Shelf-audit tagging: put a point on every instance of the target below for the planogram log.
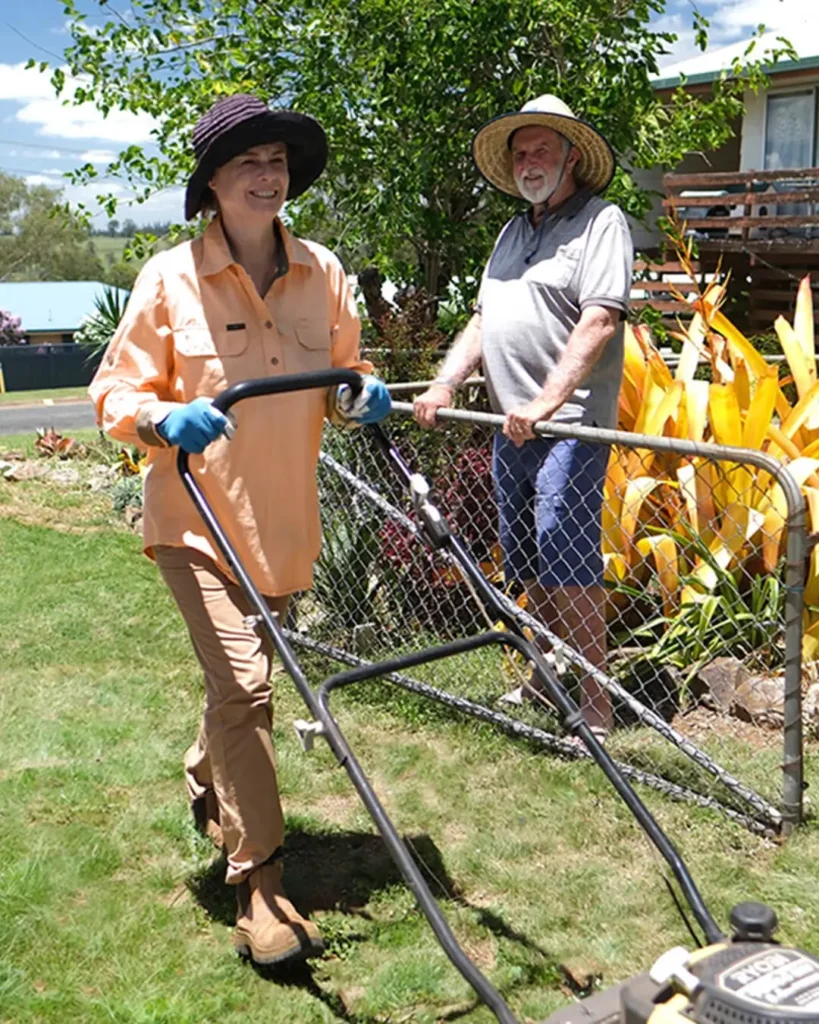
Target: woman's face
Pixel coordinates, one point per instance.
(253, 184)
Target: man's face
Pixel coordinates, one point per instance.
(253, 184)
(538, 155)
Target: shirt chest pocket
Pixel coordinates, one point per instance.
(555, 270)
(208, 361)
(307, 345)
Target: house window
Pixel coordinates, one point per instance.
(790, 144)
(790, 130)
(68, 339)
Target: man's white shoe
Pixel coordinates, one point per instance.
(514, 697)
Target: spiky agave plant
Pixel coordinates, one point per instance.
(100, 326)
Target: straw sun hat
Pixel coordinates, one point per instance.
(493, 157)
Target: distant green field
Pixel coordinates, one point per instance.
(104, 245)
(107, 245)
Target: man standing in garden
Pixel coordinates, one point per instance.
(548, 327)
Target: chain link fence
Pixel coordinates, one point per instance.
(692, 643)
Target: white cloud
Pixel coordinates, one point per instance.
(85, 122)
(23, 85)
(777, 15)
(39, 107)
(43, 154)
(43, 179)
(735, 20)
(36, 154)
(162, 206)
(98, 156)
(165, 205)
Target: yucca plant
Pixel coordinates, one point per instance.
(738, 513)
(99, 328)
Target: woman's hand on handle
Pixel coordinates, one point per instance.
(194, 426)
(371, 405)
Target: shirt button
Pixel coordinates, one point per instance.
(268, 324)
(274, 361)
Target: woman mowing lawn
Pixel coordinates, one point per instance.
(247, 299)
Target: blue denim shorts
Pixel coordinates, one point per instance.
(550, 495)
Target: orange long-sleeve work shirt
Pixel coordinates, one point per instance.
(195, 324)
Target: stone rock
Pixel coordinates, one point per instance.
(761, 700)
(729, 687)
(101, 477)
(66, 476)
(26, 471)
(810, 711)
(133, 516)
(719, 680)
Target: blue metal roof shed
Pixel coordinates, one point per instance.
(52, 307)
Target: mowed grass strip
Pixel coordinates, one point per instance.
(44, 395)
(113, 909)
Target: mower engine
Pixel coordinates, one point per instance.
(749, 980)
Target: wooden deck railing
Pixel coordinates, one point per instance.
(744, 209)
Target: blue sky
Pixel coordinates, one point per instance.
(40, 139)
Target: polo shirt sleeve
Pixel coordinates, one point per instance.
(130, 390)
(607, 264)
(478, 307)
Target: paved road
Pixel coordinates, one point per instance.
(63, 416)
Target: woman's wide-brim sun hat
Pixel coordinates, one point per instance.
(237, 123)
(491, 147)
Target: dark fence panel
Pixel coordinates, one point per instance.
(36, 367)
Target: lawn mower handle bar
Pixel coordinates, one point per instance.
(439, 536)
(335, 738)
(286, 382)
(319, 704)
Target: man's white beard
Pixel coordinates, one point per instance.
(534, 193)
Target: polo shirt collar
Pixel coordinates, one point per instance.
(567, 209)
(216, 255)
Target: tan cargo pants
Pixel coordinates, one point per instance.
(233, 754)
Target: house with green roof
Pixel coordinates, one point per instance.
(752, 204)
(51, 312)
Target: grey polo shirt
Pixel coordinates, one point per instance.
(535, 286)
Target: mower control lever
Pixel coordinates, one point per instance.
(307, 732)
(434, 524)
(672, 969)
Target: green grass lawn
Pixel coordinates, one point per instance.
(113, 909)
(45, 394)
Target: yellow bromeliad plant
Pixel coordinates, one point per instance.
(736, 513)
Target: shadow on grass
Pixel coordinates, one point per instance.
(342, 871)
(301, 976)
(338, 871)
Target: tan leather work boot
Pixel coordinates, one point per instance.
(269, 929)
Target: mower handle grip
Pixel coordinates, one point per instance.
(286, 382)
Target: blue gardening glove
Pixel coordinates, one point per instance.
(372, 404)
(193, 426)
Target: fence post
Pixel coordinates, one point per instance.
(793, 784)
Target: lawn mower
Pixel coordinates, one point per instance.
(743, 977)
